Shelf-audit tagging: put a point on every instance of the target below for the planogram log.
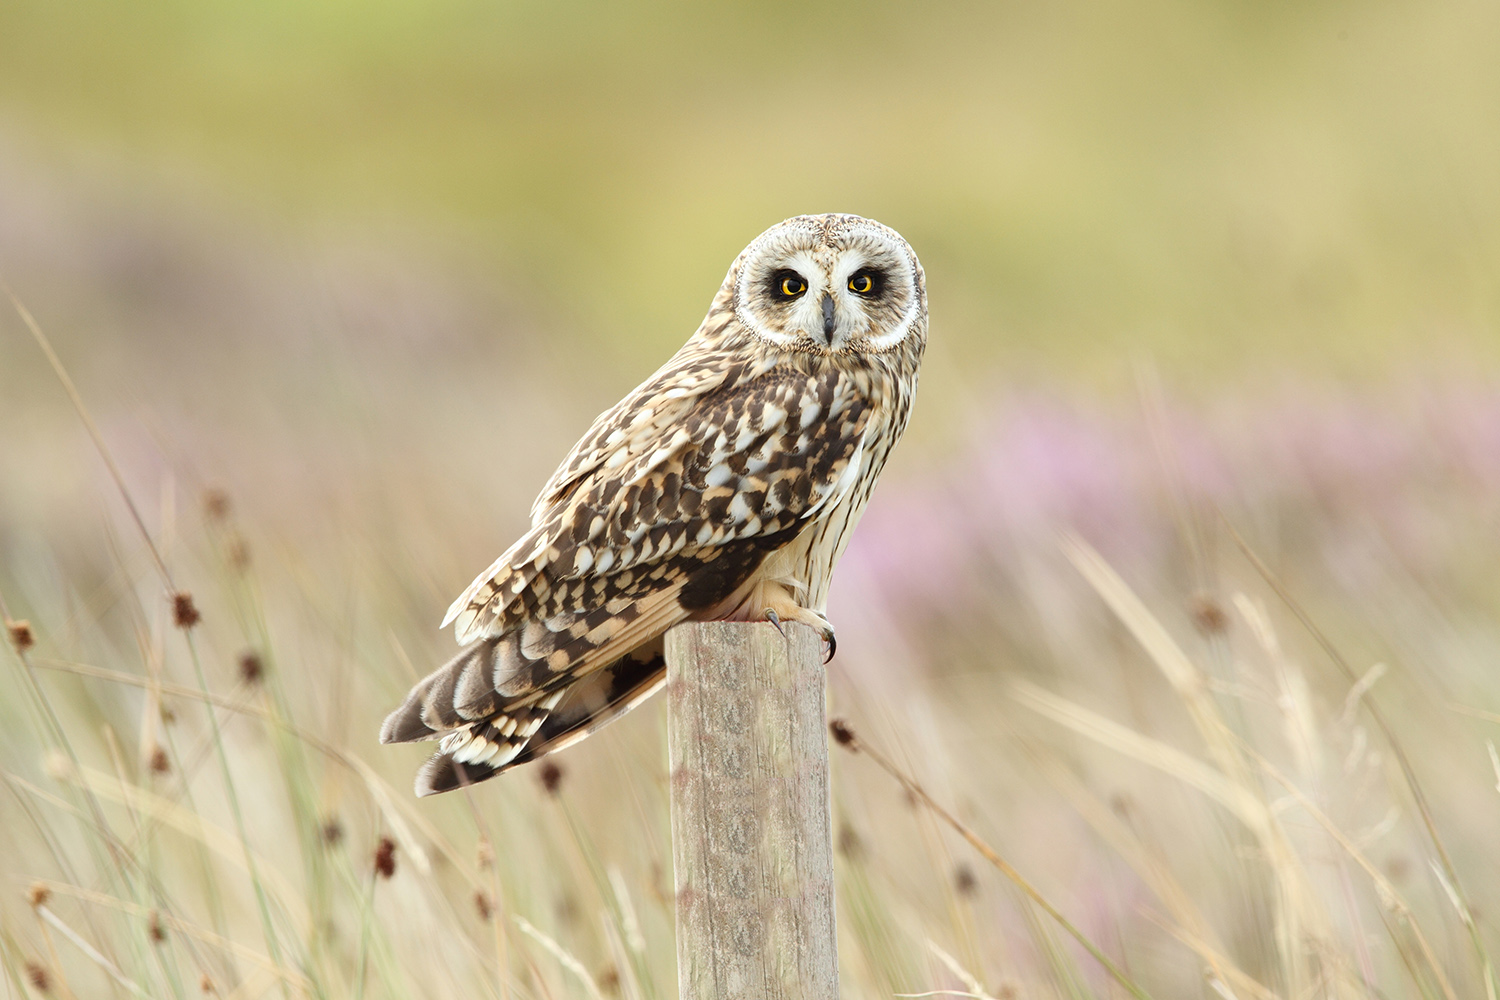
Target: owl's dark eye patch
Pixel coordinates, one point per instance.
(787, 285)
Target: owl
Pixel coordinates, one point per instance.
(725, 487)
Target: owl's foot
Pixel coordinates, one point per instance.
(775, 619)
(811, 619)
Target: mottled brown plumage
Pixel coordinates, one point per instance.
(724, 487)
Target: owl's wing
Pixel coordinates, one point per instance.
(674, 479)
(638, 419)
(664, 528)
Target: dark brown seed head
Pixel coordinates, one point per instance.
(551, 775)
(1208, 614)
(216, 504)
(184, 613)
(483, 905)
(332, 832)
(159, 762)
(39, 977)
(250, 667)
(385, 857)
(206, 985)
(964, 881)
(850, 845)
(567, 909)
(21, 635)
(842, 734)
(37, 894)
(155, 928)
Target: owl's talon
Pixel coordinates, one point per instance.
(775, 619)
(833, 645)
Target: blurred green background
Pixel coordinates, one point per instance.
(1208, 185)
(368, 269)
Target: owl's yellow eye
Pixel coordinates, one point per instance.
(789, 284)
(862, 283)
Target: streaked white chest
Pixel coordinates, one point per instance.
(806, 565)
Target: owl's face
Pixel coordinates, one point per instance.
(831, 284)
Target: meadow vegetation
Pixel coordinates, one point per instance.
(1180, 601)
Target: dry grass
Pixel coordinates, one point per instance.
(195, 804)
(339, 284)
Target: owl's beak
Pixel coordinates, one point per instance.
(827, 317)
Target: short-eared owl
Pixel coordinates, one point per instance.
(724, 487)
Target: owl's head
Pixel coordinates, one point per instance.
(830, 284)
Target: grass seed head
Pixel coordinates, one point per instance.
(155, 928)
(216, 504)
(21, 635)
(159, 762)
(842, 734)
(483, 905)
(206, 985)
(184, 612)
(332, 832)
(1208, 614)
(964, 882)
(251, 667)
(385, 857)
(551, 775)
(37, 895)
(38, 976)
(849, 843)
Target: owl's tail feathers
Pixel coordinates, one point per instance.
(443, 774)
(484, 749)
(519, 735)
(460, 692)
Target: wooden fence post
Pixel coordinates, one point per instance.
(751, 839)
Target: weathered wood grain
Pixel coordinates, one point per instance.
(751, 840)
